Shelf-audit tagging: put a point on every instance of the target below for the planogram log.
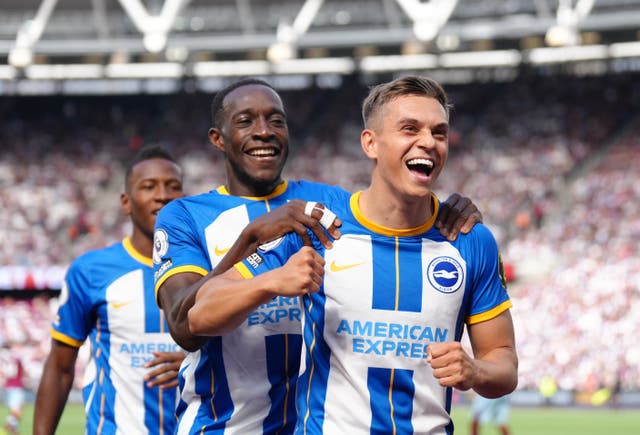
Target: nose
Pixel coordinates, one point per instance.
(164, 194)
(262, 129)
(427, 141)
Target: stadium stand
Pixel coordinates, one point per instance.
(552, 162)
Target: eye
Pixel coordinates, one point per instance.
(278, 121)
(440, 134)
(243, 122)
(409, 128)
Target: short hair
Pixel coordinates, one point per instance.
(216, 104)
(146, 153)
(382, 94)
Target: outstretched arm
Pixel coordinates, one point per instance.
(55, 384)
(492, 371)
(457, 214)
(177, 294)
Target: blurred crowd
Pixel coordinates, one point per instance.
(552, 162)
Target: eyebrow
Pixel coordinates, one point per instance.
(251, 110)
(407, 120)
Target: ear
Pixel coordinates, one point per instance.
(125, 204)
(368, 143)
(215, 137)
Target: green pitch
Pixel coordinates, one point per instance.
(524, 421)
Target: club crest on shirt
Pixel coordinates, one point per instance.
(160, 245)
(445, 274)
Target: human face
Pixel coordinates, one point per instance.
(255, 139)
(152, 184)
(408, 140)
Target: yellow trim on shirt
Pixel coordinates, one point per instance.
(58, 336)
(244, 270)
(128, 246)
(488, 315)
(392, 232)
(195, 269)
(279, 190)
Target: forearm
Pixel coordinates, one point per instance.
(496, 373)
(178, 315)
(224, 304)
(246, 244)
(50, 401)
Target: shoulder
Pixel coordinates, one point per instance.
(480, 233)
(94, 263)
(319, 191)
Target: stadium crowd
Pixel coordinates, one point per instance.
(552, 162)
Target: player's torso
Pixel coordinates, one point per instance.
(255, 366)
(129, 327)
(384, 299)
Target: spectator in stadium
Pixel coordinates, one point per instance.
(108, 296)
(254, 367)
(389, 224)
(486, 411)
(12, 372)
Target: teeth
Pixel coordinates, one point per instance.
(263, 152)
(425, 162)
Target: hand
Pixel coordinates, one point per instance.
(291, 217)
(165, 375)
(457, 214)
(452, 366)
(302, 274)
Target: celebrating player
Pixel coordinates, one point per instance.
(386, 305)
(108, 296)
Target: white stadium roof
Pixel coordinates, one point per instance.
(93, 39)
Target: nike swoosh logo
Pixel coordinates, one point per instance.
(220, 252)
(117, 305)
(336, 268)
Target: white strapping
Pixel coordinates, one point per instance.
(309, 207)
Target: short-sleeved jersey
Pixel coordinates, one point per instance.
(386, 295)
(108, 296)
(242, 382)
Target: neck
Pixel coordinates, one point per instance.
(394, 210)
(142, 243)
(239, 188)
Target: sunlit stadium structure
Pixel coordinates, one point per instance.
(72, 46)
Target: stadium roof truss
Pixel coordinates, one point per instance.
(68, 39)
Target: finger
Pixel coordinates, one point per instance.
(169, 385)
(308, 208)
(328, 221)
(455, 229)
(162, 380)
(473, 219)
(158, 372)
(441, 218)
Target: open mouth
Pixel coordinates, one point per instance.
(264, 152)
(421, 166)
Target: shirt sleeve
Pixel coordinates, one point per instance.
(176, 245)
(270, 256)
(489, 291)
(74, 318)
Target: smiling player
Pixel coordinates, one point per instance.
(385, 307)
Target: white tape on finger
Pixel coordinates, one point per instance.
(327, 218)
(309, 207)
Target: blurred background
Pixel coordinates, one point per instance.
(545, 140)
